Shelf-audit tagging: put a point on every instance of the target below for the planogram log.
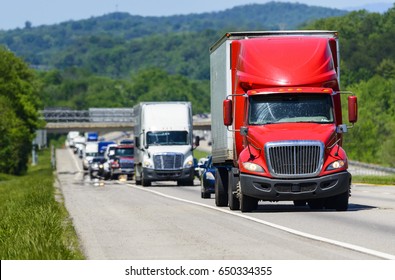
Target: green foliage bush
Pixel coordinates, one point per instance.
(18, 112)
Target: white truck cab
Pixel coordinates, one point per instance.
(163, 142)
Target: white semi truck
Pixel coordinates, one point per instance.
(163, 142)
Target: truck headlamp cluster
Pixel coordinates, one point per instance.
(147, 164)
(336, 165)
(253, 167)
(189, 163)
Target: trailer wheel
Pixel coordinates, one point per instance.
(233, 200)
(221, 183)
(247, 203)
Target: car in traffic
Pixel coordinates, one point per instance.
(96, 168)
(200, 166)
(122, 162)
(91, 150)
(207, 179)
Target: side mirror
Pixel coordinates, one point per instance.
(352, 109)
(197, 141)
(243, 130)
(137, 142)
(228, 112)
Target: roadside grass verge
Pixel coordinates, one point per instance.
(374, 180)
(33, 225)
(200, 154)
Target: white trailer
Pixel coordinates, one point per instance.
(163, 142)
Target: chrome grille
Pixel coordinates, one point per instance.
(294, 158)
(126, 163)
(168, 161)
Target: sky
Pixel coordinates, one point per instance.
(15, 13)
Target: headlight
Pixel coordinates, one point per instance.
(189, 163)
(210, 176)
(147, 164)
(253, 167)
(336, 165)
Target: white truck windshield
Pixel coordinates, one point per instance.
(167, 138)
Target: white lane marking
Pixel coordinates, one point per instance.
(286, 229)
(75, 161)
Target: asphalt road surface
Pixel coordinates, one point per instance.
(117, 220)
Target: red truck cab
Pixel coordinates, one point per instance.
(284, 120)
(123, 161)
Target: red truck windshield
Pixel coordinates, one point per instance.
(280, 108)
(125, 152)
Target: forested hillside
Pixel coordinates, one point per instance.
(117, 43)
(368, 70)
(118, 60)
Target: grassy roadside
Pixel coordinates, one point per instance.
(374, 180)
(33, 225)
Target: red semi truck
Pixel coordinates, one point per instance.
(279, 134)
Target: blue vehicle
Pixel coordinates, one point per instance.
(92, 137)
(103, 146)
(207, 180)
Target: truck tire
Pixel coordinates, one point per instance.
(137, 175)
(338, 202)
(247, 203)
(145, 182)
(233, 200)
(205, 195)
(221, 184)
(316, 204)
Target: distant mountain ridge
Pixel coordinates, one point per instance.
(372, 7)
(116, 37)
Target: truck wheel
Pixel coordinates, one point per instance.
(144, 181)
(316, 204)
(221, 184)
(233, 200)
(338, 202)
(205, 195)
(137, 175)
(247, 203)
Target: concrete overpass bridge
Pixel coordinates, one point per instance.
(104, 120)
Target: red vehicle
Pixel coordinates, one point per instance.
(122, 162)
(279, 135)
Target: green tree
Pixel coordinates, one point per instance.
(373, 137)
(19, 119)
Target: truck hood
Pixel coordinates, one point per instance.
(183, 149)
(260, 135)
(124, 158)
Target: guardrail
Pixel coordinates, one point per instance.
(92, 115)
